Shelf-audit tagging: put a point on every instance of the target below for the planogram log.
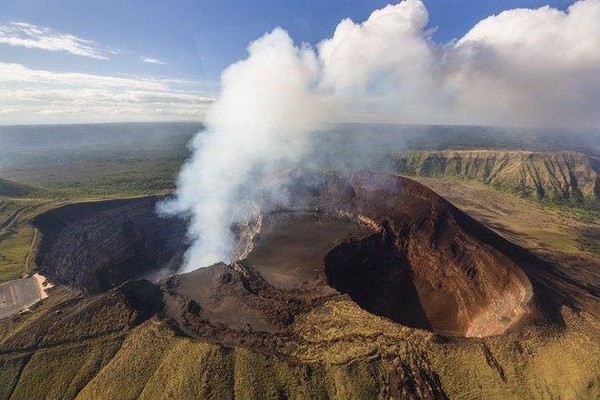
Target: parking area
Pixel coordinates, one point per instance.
(18, 295)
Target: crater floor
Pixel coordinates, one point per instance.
(292, 246)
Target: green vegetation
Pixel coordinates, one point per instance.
(18, 239)
(540, 226)
(590, 241)
(102, 178)
(566, 179)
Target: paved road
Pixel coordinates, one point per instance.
(17, 295)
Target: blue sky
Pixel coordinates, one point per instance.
(192, 41)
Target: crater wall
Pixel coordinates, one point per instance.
(96, 246)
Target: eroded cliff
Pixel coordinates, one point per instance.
(561, 177)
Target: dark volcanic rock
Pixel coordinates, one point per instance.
(96, 246)
(235, 305)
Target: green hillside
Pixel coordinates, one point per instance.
(73, 347)
(567, 178)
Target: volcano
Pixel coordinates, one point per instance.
(394, 247)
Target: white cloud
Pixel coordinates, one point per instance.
(150, 60)
(8, 110)
(521, 67)
(532, 67)
(32, 95)
(18, 73)
(536, 67)
(22, 34)
(392, 40)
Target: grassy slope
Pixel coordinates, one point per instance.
(342, 352)
(567, 237)
(18, 239)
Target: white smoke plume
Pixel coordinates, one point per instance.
(258, 125)
(522, 67)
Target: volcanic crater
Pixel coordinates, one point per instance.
(394, 247)
(96, 246)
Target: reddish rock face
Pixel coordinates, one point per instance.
(428, 264)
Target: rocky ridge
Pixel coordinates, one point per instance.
(561, 177)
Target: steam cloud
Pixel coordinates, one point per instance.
(259, 124)
(521, 67)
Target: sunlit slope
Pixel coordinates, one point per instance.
(561, 177)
